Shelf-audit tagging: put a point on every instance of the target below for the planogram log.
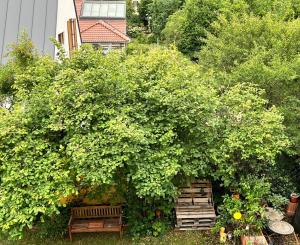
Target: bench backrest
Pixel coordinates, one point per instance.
(96, 212)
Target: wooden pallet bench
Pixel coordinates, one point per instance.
(195, 208)
(95, 219)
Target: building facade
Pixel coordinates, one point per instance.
(103, 23)
(41, 20)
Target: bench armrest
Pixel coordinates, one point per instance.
(70, 221)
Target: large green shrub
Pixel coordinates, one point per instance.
(140, 122)
(189, 26)
(263, 52)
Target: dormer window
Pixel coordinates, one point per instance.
(104, 9)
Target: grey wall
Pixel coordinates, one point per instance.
(37, 17)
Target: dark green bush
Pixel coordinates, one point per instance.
(55, 226)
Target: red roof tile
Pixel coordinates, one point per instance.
(100, 30)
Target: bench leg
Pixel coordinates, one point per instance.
(70, 235)
(121, 233)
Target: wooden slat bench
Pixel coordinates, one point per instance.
(95, 219)
(195, 208)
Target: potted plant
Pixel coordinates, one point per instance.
(245, 216)
(257, 239)
(292, 205)
(294, 198)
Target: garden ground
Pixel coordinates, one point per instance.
(172, 238)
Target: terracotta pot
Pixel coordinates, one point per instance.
(291, 209)
(294, 198)
(258, 239)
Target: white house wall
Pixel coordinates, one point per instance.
(65, 11)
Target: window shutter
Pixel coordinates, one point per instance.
(72, 35)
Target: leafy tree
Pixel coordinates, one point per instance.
(159, 11)
(281, 9)
(142, 121)
(6, 81)
(143, 10)
(132, 17)
(22, 55)
(188, 27)
(252, 134)
(260, 51)
(35, 172)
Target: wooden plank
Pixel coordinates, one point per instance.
(189, 195)
(211, 221)
(94, 211)
(200, 210)
(210, 217)
(105, 229)
(207, 185)
(195, 207)
(199, 216)
(185, 200)
(196, 220)
(206, 221)
(202, 195)
(186, 220)
(201, 200)
(193, 228)
(194, 213)
(201, 181)
(195, 225)
(196, 190)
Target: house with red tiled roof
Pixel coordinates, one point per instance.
(103, 23)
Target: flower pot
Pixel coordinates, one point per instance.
(291, 209)
(254, 239)
(294, 198)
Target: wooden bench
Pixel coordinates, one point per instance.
(95, 219)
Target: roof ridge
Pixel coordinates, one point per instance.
(90, 27)
(115, 30)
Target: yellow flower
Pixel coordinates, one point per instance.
(237, 215)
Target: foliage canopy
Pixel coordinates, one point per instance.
(147, 119)
(189, 26)
(260, 51)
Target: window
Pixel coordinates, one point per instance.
(104, 9)
(95, 10)
(87, 9)
(61, 38)
(120, 10)
(112, 8)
